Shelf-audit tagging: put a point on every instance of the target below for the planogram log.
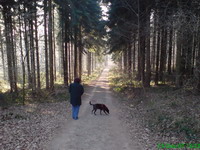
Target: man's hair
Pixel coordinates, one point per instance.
(77, 80)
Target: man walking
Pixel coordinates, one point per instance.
(76, 91)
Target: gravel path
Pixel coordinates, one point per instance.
(90, 132)
(49, 126)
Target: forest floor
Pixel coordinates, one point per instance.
(165, 115)
(138, 120)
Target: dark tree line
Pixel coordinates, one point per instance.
(43, 39)
(156, 39)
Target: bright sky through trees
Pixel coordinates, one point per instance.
(104, 11)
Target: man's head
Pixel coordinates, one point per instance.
(77, 80)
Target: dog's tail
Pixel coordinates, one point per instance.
(90, 103)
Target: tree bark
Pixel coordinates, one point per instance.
(153, 58)
(32, 50)
(125, 64)
(66, 55)
(37, 49)
(157, 58)
(89, 63)
(54, 43)
(75, 53)
(142, 54)
(129, 53)
(170, 51)
(163, 53)
(50, 47)
(148, 57)
(134, 54)
(2, 55)
(46, 45)
(198, 65)
(179, 64)
(22, 59)
(9, 47)
(80, 51)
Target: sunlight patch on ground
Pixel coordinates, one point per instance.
(31, 108)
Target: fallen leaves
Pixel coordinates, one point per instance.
(30, 127)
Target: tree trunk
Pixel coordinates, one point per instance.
(120, 61)
(72, 56)
(134, 53)
(75, 53)
(69, 58)
(50, 47)
(198, 56)
(37, 48)
(198, 63)
(194, 51)
(32, 51)
(163, 53)
(148, 57)
(92, 62)
(54, 44)
(23, 64)
(46, 45)
(139, 37)
(129, 59)
(170, 51)
(189, 42)
(80, 51)
(14, 45)
(9, 46)
(2, 54)
(125, 65)
(157, 58)
(89, 63)
(179, 81)
(14, 59)
(173, 51)
(153, 58)
(142, 54)
(66, 55)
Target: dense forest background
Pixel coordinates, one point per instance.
(44, 42)
(156, 44)
(157, 41)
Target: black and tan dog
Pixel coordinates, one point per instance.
(101, 107)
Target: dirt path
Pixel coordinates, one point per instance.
(90, 132)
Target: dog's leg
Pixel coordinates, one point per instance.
(100, 111)
(104, 112)
(95, 111)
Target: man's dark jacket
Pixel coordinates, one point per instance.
(75, 90)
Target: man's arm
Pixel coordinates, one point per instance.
(82, 90)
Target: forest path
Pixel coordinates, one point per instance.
(90, 132)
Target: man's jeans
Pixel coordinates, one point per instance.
(75, 111)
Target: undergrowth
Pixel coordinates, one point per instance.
(60, 92)
(167, 111)
(86, 79)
